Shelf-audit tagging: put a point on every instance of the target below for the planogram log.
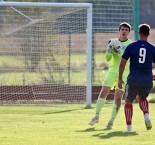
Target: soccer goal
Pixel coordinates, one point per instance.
(45, 52)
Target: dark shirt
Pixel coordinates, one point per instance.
(142, 55)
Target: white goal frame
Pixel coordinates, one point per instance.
(88, 6)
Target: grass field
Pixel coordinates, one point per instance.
(68, 125)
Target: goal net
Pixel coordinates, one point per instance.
(45, 52)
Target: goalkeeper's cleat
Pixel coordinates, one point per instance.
(109, 125)
(129, 128)
(148, 124)
(94, 120)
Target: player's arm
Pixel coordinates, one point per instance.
(121, 70)
(153, 65)
(108, 54)
(114, 46)
(153, 77)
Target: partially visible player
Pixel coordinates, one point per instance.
(139, 82)
(113, 54)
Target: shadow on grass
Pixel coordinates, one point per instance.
(63, 111)
(89, 130)
(114, 134)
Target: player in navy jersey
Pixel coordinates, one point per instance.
(139, 82)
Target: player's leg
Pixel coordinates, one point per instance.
(116, 107)
(130, 95)
(107, 84)
(128, 110)
(99, 104)
(144, 105)
(118, 95)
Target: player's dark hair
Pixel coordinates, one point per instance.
(125, 24)
(144, 29)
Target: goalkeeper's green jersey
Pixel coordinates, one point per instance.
(116, 58)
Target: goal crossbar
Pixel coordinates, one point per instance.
(45, 4)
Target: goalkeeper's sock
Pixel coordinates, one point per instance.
(128, 110)
(99, 105)
(114, 113)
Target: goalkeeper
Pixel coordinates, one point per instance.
(114, 52)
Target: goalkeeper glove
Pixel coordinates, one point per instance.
(117, 46)
(110, 47)
(114, 46)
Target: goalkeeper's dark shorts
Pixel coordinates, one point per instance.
(131, 91)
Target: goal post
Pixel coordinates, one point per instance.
(46, 52)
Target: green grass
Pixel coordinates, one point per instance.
(68, 125)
